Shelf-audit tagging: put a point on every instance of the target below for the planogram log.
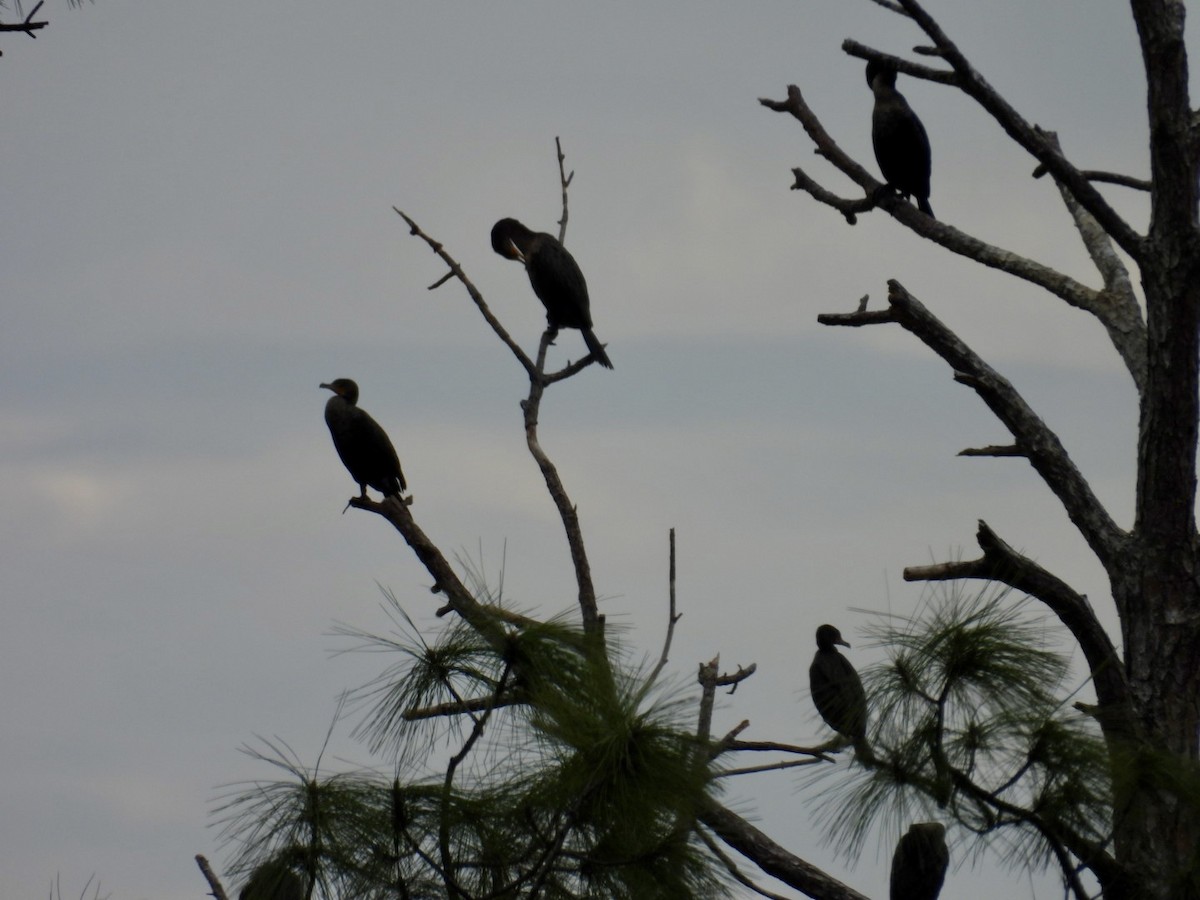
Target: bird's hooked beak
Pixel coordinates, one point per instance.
(330, 387)
(842, 641)
(514, 252)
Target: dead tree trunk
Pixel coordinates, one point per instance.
(1149, 695)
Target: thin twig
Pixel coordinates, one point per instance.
(28, 26)
(672, 617)
(456, 271)
(1137, 184)
(459, 707)
(565, 180)
(770, 767)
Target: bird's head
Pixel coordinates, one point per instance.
(828, 636)
(509, 238)
(879, 69)
(345, 388)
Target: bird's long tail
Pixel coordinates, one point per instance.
(923, 205)
(596, 348)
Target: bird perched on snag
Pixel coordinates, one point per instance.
(556, 279)
(919, 863)
(837, 692)
(901, 144)
(361, 442)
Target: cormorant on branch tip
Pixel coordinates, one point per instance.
(361, 442)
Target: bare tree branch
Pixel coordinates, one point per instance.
(916, 70)
(457, 271)
(891, 5)
(1040, 445)
(28, 26)
(1027, 135)
(1068, 289)
(460, 707)
(565, 180)
(1138, 184)
(672, 616)
(459, 598)
(214, 883)
(593, 622)
(772, 858)
(1116, 306)
(993, 450)
(768, 767)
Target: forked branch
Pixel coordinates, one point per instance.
(1037, 442)
(1025, 133)
(1068, 289)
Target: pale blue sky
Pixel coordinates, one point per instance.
(197, 231)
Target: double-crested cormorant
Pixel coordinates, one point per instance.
(556, 279)
(838, 693)
(361, 442)
(901, 145)
(273, 881)
(919, 863)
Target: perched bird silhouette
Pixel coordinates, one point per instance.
(919, 863)
(361, 442)
(556, 279)
(901, 144)
(273, 881)
(837, 692)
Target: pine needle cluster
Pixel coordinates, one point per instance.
(972, 724)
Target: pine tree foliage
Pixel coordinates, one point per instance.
(585, 782)
(969, 723)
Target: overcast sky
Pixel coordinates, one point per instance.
(197, 230)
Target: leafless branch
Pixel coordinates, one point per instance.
(891, 6)
(915, 70)
(776, 747)
(1040, 445)
(1137, 184)
(1068, 289)
(593, 622)
(773, 859)
(457, 271)
(445, 580)
(993, 450)
(672, 616)
(460, 707)
(28, 26)
(1026, 134)
(565, 180)
(769, 767)
(1116, 306)
(214, 883)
